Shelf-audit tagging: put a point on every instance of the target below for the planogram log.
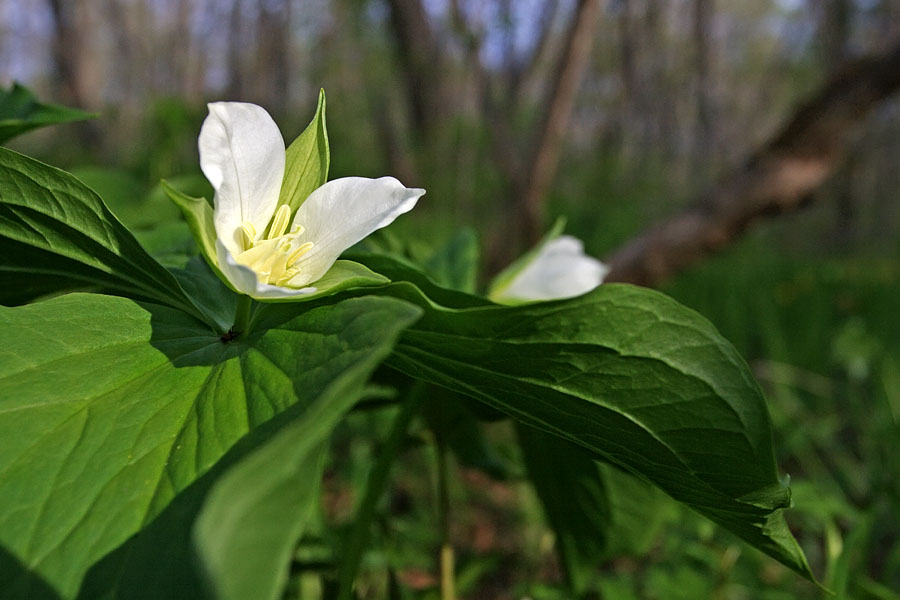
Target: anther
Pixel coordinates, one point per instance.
(300, 251)
(280, 221)
(249, 234)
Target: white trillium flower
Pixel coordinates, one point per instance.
(263, 250)
(559, 269)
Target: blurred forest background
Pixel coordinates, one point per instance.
(668, 132)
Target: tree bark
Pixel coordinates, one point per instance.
(778, 178)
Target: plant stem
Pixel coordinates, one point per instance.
(447, 585)
(242, 315)
(448, 591)
(375, 487)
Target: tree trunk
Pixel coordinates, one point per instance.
(558, 108)
(420, 57)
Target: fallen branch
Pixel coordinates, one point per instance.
(778, 178)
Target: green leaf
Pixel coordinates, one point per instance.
(632, 376)
(110, 408)
(57, 235)
(167, 559)
(397, 269)
(596, 511)
(20, 112)
(454, 265)
(208, 292)
(306, 161)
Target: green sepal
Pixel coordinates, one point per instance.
(199, 216)
(343, 275)
(306, 161)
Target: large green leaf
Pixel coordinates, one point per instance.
(21, 112)
(397, 269)
(57, 235)
(631, 375)
(306, 161)
(109, 408)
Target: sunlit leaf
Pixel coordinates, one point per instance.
(57, 235)
(110, 408)
(628, 374)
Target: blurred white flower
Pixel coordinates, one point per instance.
(262, 249)
(557, 269)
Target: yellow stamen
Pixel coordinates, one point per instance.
(273, 259)
(280, 222)
(249, 234)
(300, 251)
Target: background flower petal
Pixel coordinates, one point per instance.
(560, 270)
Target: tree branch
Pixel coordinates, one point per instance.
(778, 178)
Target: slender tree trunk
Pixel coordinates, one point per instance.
(421, 59)
(558, 110)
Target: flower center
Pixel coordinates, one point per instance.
(274, 257)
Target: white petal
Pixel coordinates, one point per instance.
(245, 281)
(242, 155)
(560, 270)
(343, 212)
